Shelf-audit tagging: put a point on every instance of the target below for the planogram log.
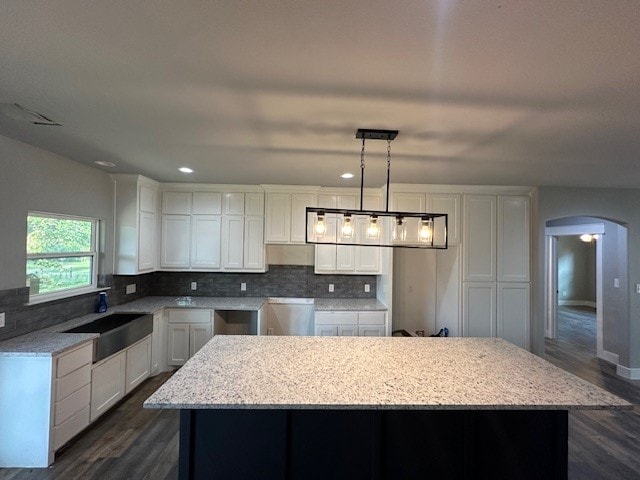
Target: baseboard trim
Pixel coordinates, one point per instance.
(628, 373)
(610, 357)
(577, 303)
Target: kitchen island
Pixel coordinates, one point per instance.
(336, 407)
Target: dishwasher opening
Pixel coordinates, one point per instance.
(235, 322)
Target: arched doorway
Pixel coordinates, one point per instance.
(611, 277)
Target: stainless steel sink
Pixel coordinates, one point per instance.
(117, 331)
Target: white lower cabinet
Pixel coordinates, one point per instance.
(117, 375)
(497, 310)
(138, 366)
(513, 313)
(108, 383)
(187, 331)
(158, 350)
(351, 324)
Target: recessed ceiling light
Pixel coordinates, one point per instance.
(185, 170)
(103, 163)
(347, 175)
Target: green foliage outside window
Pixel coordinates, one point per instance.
(60, 253)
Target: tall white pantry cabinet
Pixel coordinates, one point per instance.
(496, 280)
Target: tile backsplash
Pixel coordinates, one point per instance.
(279, 281)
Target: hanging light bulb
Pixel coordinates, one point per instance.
(347, 227)
(374, 229)
(399, 233)
(424, 234)
(586, 237)
(320, 226)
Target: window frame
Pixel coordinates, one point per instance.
(93, 253)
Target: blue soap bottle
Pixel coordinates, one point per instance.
(102, 303)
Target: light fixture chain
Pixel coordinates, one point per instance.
(362, 175)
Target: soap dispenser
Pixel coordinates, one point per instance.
(102, 302)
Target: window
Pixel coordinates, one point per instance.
(61, 255)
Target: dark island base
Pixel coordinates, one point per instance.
(373, 444)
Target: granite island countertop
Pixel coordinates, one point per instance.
(243, 372)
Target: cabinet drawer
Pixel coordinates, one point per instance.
(370, 331)
(371, 318)
(64, 432)
(336, 318)
(71, 361)
(68, 384)
(189, 316)
(71, 405)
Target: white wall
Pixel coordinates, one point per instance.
(37, 180)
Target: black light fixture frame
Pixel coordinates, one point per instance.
(388, 135)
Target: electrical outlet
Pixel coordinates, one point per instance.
(269, 331)
(194, 285)
(331, 287)
(637, 287)
(367, 288)
(1, 319)
(131, 288)
(410, 288)
(616, 283)
(243, 287)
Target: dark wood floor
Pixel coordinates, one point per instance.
(132, 443)
(602, 444)
(128, 442)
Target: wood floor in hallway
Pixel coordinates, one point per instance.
(132, 443)
(602, 444)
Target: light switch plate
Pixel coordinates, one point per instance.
(637, 287)
(243, 287)
(1, 319)
(194, 285)
(616, 283)
(131, 288)
(331, 287)
(367, 288)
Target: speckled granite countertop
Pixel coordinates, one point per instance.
(43, 344)
(342, 304)
(50, 341)
(374, 373)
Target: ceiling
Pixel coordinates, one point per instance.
(483, 92)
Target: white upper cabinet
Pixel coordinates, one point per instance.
(479, 262)
(205, 230)
(513, 239)
(205, 241)
(136, 225)
(299, 203)
(176, 203)
(233, 203)
(176, 235)
(278, 228)
(424, 202)
(207, 203)
(449, 204)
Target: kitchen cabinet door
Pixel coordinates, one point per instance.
(479, 309)
(107, 383)
(157, 343)
(347, 330)
(176, 235)
(513, 239)
(233, 204)
(205, 241)
(278, 218)
(299, 203)
(371, 330)
(233, 242)
(199, 334)
(253, 243)
(146, 241)
(449, 204)
(147, 198)
(207, 203)
(479, 257)
(138, 364)
(178, 336)
(176, 203)
(326, 330)
(254, 204)
(514, 308)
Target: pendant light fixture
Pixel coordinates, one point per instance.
(386, 228)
